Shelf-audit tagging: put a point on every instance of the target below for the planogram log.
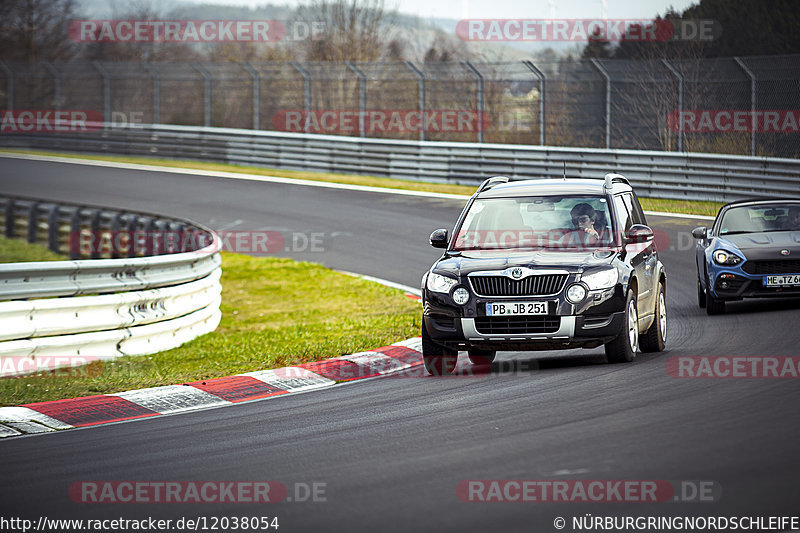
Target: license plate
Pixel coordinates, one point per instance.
(516, 308)
(782, 280)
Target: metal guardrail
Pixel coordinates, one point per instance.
(141, 303)
(672, 175)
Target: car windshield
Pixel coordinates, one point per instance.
(572, 222)
(760, 218)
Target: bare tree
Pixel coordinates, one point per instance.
(36, 30)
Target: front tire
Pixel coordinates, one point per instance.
(701, 294)
(481, 357)
(655, 337)
(439, 360)
(623, 349)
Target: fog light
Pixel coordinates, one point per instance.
(461, 296)
(576, 293)
(724, 285)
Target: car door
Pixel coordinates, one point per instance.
(650, 252)
(636, 255)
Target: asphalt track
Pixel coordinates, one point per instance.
(392, 451)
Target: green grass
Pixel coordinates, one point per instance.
(275, 312)
(16, 251)
(651, 204)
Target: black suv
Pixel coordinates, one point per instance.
(544, 265)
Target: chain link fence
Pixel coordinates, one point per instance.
(748, 106)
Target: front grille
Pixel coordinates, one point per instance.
(517, 325)
(785, 266)
(530, 286)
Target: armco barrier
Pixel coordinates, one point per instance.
(673, 175)
(126, 301)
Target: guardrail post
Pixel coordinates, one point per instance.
(605, 74)
(479, 78)
(421, 86)
(256, 94)
(306, 92)
(362, 97)
(94, 234)
(33, 222)
(681, 133)
(131, 226)
(106, 91)
(9, 213)
(56, 83)
(156, 92)
(52, 228)
(206, 93)
(115, 226)
(540, 75)
(9, 86)
(753, 118)
(74, 241)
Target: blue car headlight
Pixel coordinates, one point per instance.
(725, 258)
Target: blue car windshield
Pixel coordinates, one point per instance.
(581, 222)
(760, 218)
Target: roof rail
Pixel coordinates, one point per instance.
(491, 182)
(612, 178)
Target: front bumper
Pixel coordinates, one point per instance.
(735, 284)
(569, 331)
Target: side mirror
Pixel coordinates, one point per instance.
(439, 238)
(639, 233)
(700, 232)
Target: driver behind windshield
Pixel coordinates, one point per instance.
(584, 218)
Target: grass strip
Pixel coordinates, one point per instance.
(276, 312)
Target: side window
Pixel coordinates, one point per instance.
(635, 210)
(623, 216)
(637, 207)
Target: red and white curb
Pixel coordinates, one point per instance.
(57, 415)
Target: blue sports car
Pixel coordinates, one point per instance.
(751, 251)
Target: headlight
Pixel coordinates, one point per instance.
(461, 296)
(439, 283)
(576, 293)
(721, 257)
(601, 280)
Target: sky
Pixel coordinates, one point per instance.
(460, 9)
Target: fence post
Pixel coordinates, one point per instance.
(540, 75)
(681, 133)
(9, 86)
(256, 94)
(56, 83)
(106, 91)
(206, 93)
(156, 92)
(306, 92)
(479, 77)
(362, 97)
(421, 105)
(605, 74)
(753, 118)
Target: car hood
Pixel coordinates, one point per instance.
(766, 245)
(474, 261)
